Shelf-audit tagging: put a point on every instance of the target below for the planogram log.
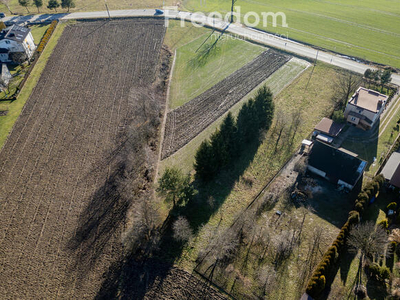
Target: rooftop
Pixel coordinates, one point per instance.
(15, 33)
(329, 127)
(391, 166)
(368, 99)
(335, 163)
(396, 177)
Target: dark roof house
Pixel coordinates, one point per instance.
(335, 165)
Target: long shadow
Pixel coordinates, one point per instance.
(131, 278)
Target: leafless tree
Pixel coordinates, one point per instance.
(6, 3)
(280, 125)
(368, 240)
(267, 279)
(346, 84)
(182, 230)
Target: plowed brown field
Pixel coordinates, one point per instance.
(62, 210)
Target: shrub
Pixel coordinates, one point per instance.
(354, 217)
(384, 273)
(359, 206)
(392, 206)
(384, 223)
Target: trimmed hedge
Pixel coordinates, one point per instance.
(318, 280)
(46, 37)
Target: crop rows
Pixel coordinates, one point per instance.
(56, 161)
(186, 122)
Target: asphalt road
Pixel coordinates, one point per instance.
(268, 39)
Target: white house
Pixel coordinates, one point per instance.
(364, 108)
(16, 41)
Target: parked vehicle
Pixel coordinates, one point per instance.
(2, 15)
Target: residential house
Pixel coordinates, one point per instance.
(5, 77)
(391, 170)
(364, 108)
(335, 165)
(326, 130)
(16, 42)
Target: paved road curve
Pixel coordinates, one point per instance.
(245, 32)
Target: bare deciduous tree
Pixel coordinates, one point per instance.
(182, 230)
(346, 84)
(368, 240)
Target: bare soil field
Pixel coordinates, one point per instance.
(85, 143)
(187, 121)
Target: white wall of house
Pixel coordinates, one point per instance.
(367, 113)
(316, 171)
(345, 184)
(28, 46)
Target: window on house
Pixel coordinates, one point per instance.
(7, 42)
(360, 111)
(353, 119)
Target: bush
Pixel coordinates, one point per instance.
(384, 223)
(392, 206)
(354, 217)
(359, 206)
(384, 273)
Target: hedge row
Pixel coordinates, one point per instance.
(46, 36)
(318, 280)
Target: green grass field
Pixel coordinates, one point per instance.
(365, 29)
(14, 108)
(194, 73)
(87, 5)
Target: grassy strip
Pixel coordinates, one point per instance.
(14, 108)
(87, 5)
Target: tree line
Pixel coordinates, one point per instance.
(227, 142)
(52, 4)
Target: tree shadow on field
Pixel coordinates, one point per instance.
(144, 271)
(99, 222)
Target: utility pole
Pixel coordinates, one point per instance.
(108, 12)
(233, 4)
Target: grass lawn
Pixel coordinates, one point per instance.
(14, 108)
(87, 5)
(366, 29)
(229, 191)
(194, 73)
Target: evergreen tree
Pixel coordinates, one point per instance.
(38, 4)
(264, 107)
(228, 131)
(67, 4)
(205, 161)
(24, 3)
(53, 4)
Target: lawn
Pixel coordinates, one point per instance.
(365, 29)
(88, 5)
(14, 108)
(195, 72)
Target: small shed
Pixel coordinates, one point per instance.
(328, 127)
